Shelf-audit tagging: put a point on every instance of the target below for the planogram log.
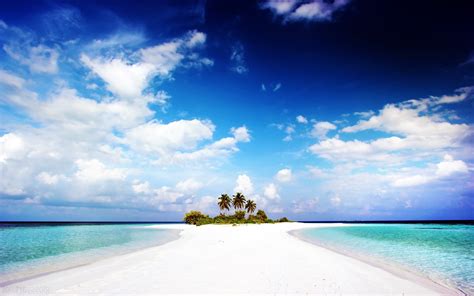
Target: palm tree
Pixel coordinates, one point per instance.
(238, 201)
(224, 202)
(250, 206)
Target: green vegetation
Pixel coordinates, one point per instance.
(238, 202)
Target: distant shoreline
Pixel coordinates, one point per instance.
(467, 222)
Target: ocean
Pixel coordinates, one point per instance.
(443, 253)
(27, 250)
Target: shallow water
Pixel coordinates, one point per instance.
(31, 250)
(441, 252)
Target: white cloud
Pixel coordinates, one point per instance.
(195, 38)
(39, 59)
(241, 134)
(301, 119)
(295, 10)
(244, 185)
(189, 186)
(280, 7)
(94, 170)
(414, 131)
(11, 147)
(412, 181)
(449, 166)
(284, 175)
(277, 87)
(47, 178)
(320, 129)
(128, 78)
(123, 79)
(446, 168)
(141, 187)
(271, 192)
(11, 79)
(162, 139)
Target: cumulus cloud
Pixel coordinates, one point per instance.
(413, 131)
(320, 129)
(128, 78)
(284, 175)
(297, 10)
(244, 185)
(449, 167)
(301, 119)
(161, 139)
(444, 169)
(189, 185)
(93, 170)
(241, 134)
(12, 146)
(271, 192)
(96, 151)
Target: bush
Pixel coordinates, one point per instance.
(261, 215)
(193, 217)
(284, 219)
(239, 215)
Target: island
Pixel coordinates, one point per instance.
(241, 205)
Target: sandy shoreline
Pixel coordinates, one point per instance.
(222, 259)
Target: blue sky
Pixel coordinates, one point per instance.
(318, 110)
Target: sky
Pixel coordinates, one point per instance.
(317, 110)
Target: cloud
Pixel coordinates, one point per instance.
(219, 149)
(189, 186)
(244, 185)
(80, 148)
(241, 134)
(128, 78)
(93, 170)
(301, 119)
(277, 87)
(444, 169)
(49, 179)
(449, 167)
(411, 181)
(284, 175)
(122, 78)
(39, 59)
(10, 79)
(271, 192)
(296, 10)
(237, 59)
(305, 205)
(12, 146)
(279, 7)
(413, 128)
(320, 129)
(162, 139)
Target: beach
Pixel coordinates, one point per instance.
(226, 259)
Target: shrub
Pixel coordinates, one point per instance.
(261, 215)
(239, 215)
(193, 217)
(284, 219)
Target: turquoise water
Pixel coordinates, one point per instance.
(441, 252)
(31, 250)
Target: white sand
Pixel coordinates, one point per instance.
(224, 259)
